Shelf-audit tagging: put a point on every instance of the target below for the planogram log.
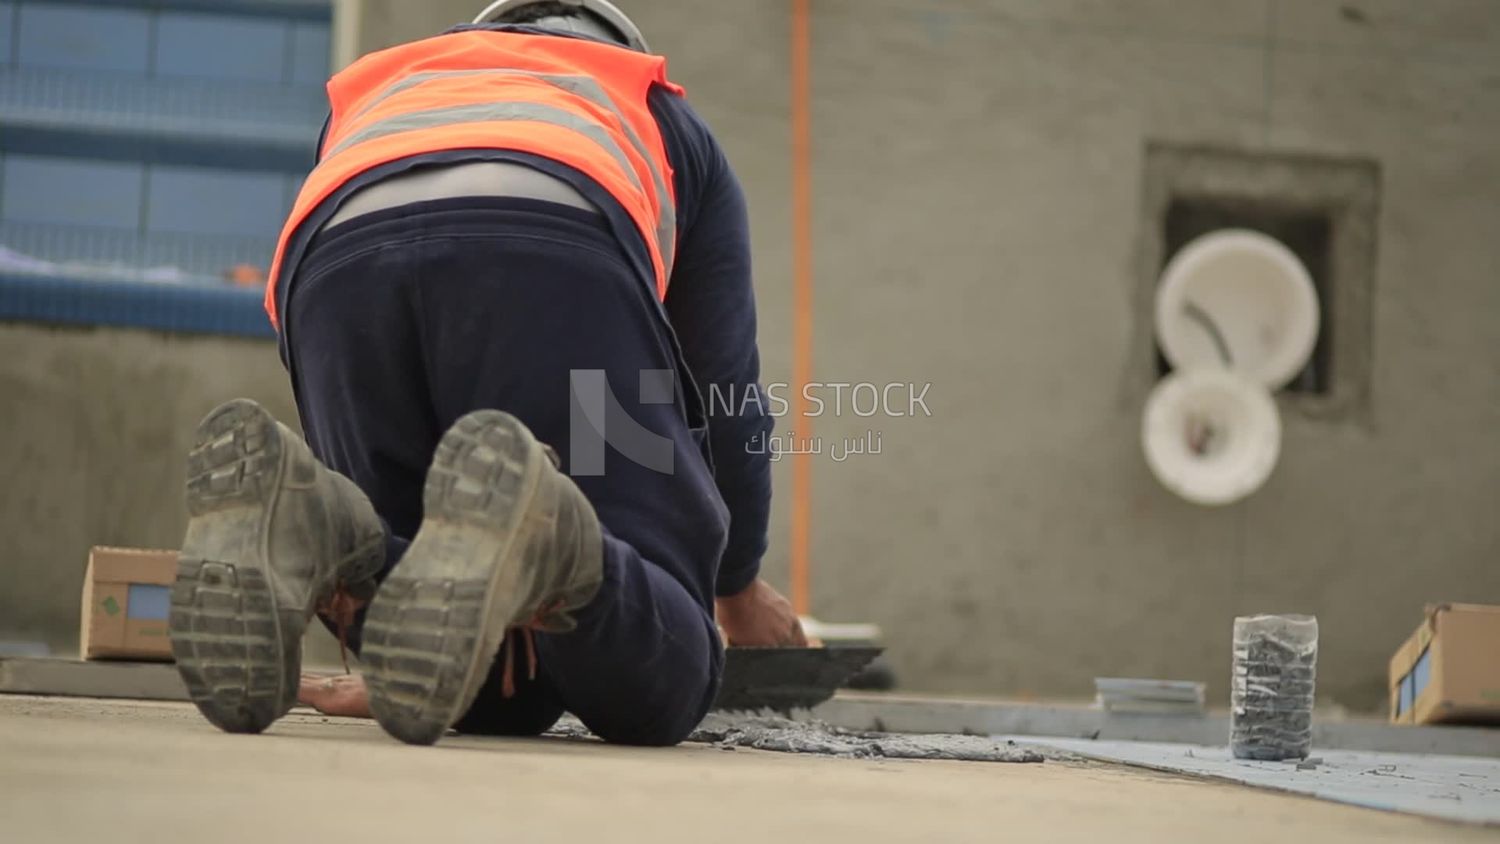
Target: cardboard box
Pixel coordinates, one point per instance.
(1448, 672)
(125, 598)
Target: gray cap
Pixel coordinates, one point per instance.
(596, 18)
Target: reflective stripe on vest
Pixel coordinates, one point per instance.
(666, 218)
(488, 90)
(583, 86)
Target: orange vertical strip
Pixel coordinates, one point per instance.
(802, 303)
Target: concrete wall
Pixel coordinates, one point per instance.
(1017, 130)
(96, 424)
(978, 179)
(977, 188)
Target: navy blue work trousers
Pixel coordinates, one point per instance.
(399, 322)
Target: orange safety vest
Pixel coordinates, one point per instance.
(578, 102)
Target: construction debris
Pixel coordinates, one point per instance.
(767, 732)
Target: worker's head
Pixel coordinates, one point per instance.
(595, 18)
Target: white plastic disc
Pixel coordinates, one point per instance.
(1210, 435)
(1240, 299)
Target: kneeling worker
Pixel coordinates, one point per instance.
(517, 267)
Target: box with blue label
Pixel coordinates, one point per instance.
(125, 599)
(1448, 671)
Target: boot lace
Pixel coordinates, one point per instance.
(524, 632)
(340, 607)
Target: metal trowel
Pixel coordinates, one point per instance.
(783, 679)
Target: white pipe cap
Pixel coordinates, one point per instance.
(1210, 435)
(1241, 299)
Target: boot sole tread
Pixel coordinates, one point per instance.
(237, 652)
(435, 622)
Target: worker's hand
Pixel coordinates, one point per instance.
(759, 617)
(336, 694)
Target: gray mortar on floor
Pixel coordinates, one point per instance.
(769, 732)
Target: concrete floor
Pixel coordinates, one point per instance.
(76, 770)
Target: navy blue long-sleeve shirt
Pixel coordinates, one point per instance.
(710, 303)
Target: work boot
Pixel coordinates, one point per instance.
(271, 534)
(507, 541)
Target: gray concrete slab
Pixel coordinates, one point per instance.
(854, 711)
(88, 770)
(1447, 787)
(74, 678)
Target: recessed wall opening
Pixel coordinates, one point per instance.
(1323, 210)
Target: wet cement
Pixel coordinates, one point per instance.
(728, 731)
